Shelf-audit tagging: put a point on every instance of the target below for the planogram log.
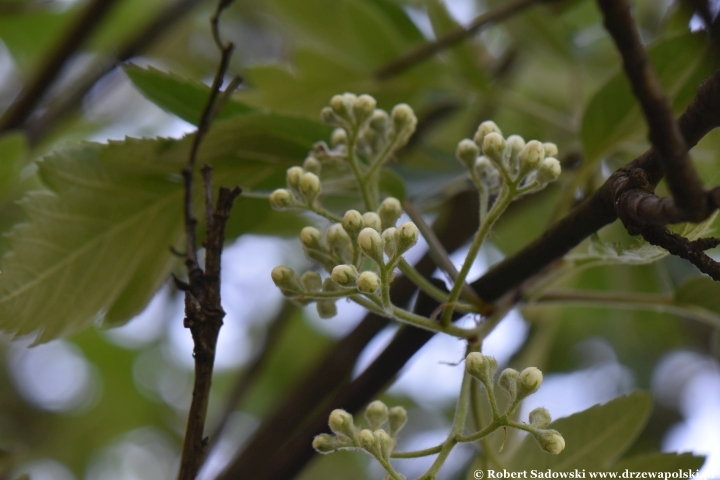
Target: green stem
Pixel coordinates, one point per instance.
(427, 324)
(418, 453)
(498, 208)
(326, 295)
(352, 160)
(423, 283)
(488, 452)
(388, 467)
(325, 213)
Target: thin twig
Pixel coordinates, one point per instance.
(203, 307)
(53, 64)
(427, 50)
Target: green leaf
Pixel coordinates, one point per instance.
(13, 153)
(97, 243)
(29, 34)
(661, 462)
(613, 115)
(594, 438)
(180, 96)
(701, 291)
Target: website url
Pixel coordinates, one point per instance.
(577, 473)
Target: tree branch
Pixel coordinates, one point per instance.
(427, 50)
(44, 77)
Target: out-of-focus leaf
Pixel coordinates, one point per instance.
(28, 34)
(594, 438)
(99, 238)
(613, 115)
(661, 462)
(13, 153)
(702, 292)
(392, 184)
(180, 96)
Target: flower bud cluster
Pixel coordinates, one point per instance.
(375, 440)
(527, 164)
(303, 186)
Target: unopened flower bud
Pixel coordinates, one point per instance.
(508, 382)
(325, 443)
(467, 151)
(338, 137)
(364, 108)
(389, 212)
(540, 417)
(531, 156)
(326, 308)
(311, 238)
(376, 414)
(551, 150)
(379, 120)
(328, 117)
(281, 199)
(372, 220)
(549, 170)
(487, 174)
(311, 281)
(342, 423)
(389, 237)
(313, 165)
(342, 106)
(484, 129)
(385, 443)
(494, 147)
(371, 243)
(309, 187)
(344, 275)
(368, 282)
(285, 279)
(367, 441)
(550, 441)
(482, 367)
(404, 122)
(528, 382)
(513, 146)
(353, 223)
(397, 419)
(406, 237)
(292, 178)
(339, 242)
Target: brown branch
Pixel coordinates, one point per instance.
(69, 100)
(665, 135)
(427, 50)
(22, 107)
(693, 251)
(203, 307)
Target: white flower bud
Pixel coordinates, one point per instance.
(366, 439)
(311, 281)
(508, 382)
(487, 174)
(339, 242)
(326, 308)
(311, 238)
(376, 414)
(529, 382)
(342, 106)
(309, 187)
(379, 120)
(338, 137)
(494, 147)
(292, 178)
(482, 367)
(342, 423)
(540, 417)
(325, 443)
(513, 145)
(406, 237)
(550, 441)
(313, 165)
(281, 199)
(404, 122)
(389, 237)
(364, 108)
(397, 419)
(389, 212)
(531, 156)
(344, 275)
(368, 282)
(484, 129)
(353, 222)
(372, 220)
(549, 170)
(328, 117)
(467, 151)
(285, 279)
(371, 243)
(384, 442)
(551, 150)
